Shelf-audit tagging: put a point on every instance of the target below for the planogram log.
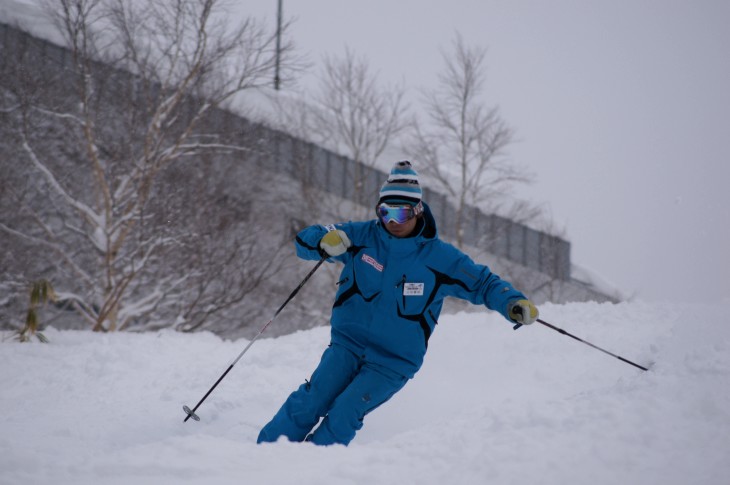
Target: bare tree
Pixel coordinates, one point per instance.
(353, 114)
(146, 77)
(462, 146)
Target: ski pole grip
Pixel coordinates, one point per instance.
(516, 309)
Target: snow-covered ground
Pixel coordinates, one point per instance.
(491, 405)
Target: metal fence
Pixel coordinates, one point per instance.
(341, 176)
(497, 235)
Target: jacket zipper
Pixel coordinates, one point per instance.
(403, 290)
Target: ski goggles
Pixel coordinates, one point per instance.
(398, 213)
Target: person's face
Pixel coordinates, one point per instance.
(401, 230)
(399, 219)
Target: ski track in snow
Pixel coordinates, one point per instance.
(491, 405)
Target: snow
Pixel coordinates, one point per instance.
(591, 278)
(30, 16)
(491, 405)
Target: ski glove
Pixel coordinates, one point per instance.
(523, 312)
(335, 243)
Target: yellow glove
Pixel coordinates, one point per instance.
(335, 243)
(523, 312)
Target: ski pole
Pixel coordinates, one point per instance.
(590, 344)
(191, 412)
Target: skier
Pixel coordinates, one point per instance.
(395, 277)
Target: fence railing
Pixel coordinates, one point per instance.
(497, 235)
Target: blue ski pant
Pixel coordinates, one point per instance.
(343, 390)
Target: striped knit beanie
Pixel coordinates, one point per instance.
(402, 185)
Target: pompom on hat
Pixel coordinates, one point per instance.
(402, 185)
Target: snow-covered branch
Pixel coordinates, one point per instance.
(11, 109)
(53, 247)
(79, 304)
(59, 115)
(84, 210)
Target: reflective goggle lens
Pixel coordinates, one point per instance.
(397, 213)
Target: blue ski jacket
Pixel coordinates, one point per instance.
(391, 290)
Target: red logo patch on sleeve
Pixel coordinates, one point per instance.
(371, 261)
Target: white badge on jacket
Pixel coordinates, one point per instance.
(413, 289)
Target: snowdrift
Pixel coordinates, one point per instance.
(491, 405)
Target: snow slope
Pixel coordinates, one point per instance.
(491, 405)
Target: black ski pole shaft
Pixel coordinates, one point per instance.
(191, 412)
(557, 329)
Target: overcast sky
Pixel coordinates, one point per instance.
(621, 108)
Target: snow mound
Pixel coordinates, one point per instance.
(491, 405)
